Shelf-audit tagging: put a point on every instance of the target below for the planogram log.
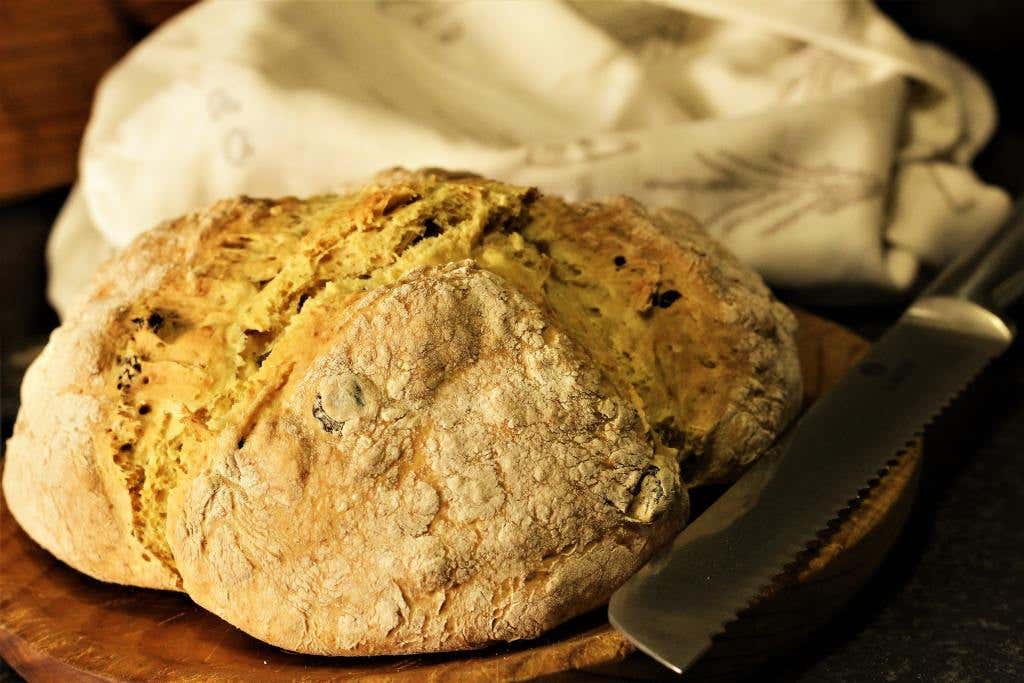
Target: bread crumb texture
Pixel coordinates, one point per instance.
(432, 413)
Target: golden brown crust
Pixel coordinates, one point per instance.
(64, 492)
(449, 471)
(428, 414)
(681, 320)
(65, 498)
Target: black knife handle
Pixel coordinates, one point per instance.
(991, 275)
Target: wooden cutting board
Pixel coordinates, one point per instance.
(59, 625)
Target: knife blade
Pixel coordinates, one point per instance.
(671, 607)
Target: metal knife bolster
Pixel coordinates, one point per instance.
(716, 566)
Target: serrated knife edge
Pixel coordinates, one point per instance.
(957, 323)
(717, 565)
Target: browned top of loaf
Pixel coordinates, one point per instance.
(216, 410)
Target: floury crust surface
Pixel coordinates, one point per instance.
(426, 415)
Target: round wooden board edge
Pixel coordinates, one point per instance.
(840, 565)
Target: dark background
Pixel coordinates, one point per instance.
(948, 604)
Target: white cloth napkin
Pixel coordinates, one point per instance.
(816, 140)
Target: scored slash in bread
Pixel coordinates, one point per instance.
(426, 415)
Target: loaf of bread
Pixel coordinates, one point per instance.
(429, 414)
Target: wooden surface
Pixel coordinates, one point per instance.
(59, 625)
(52, 54)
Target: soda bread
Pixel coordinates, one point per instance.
(425, 415)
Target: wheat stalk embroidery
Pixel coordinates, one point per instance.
(773, 192)
(579, 151)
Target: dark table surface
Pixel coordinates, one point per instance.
(948, 603)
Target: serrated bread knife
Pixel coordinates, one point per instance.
(686, 594)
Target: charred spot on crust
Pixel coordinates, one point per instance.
(261, 358)
(125, 447)
(668, 298)
(330, 425)
(659, 299)
(619, 261)
(131, 366)
(144, 409)
(669, 435)
(303, 298)
(241, 443)
(509, 221)
(542, 247)
(164, 323)
(357, 394)
(431, 228)
(155, 321)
